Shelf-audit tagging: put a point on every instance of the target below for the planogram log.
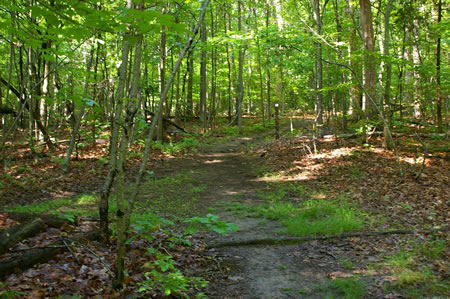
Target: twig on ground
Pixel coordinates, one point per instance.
(70, 250)
(107, 267)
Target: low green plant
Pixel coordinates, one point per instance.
(304, 291)
(175, 195)
(411, 271)
(164, 274)
(237, 207)
(188, 144)
(210, 222)
(230, 131)
(434, 249)
(282, 267)
(349, 288)
(198, 189)
(314, 216)
(65, 207)
(57, 160)
(103, 160)
(273, 196)
(348, 264)
(277, 210)
(4, 293)
(258, 128)
(356, 173)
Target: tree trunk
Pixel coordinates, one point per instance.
(388, 72)
(190, 103)
(203, 75)
(230, 89)
(80, 114)
(131, 109)
(319, 85)
(438, 73)
(369, 58)
(117, 119)
(340, 56)
(240, 70)
(123, 212)
(213, 74)
(269, 105)
(162, 78)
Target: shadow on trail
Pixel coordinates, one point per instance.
(288, 271)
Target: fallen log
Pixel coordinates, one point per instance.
(12, 236)
(40, 255)
(295, 240)
(167, 122)
(50, 220)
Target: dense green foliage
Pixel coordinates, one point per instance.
(46, 44)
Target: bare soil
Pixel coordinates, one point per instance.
(288, 271)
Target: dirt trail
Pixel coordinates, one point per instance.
(292, 271)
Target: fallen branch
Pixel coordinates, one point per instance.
(39, 255)
(50, 220)
(167, 122)
(12, 236)
(295, 240)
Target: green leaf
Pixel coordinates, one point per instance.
(90, 102)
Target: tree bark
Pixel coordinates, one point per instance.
(269, 105)
(203, 78)
(240, 70)
(388, 75)
(117, 118)
(438, 73)
(340, 56)
(319, 85)
(369, 57)
(80, 114)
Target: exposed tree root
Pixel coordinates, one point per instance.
(295, 240)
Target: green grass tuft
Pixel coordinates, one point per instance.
(314, 216)
(349, 288)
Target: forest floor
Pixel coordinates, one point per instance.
(245, 174)
(262, 186)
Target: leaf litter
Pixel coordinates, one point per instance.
(368, 176)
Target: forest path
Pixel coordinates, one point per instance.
(285, 271)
